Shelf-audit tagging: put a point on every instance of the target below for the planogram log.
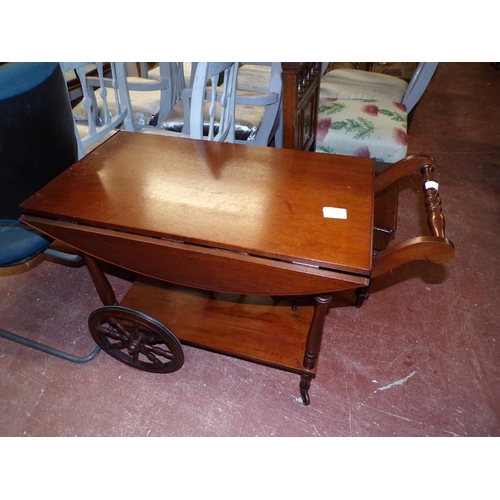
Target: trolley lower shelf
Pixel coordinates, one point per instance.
(259, 329)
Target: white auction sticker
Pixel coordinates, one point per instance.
(334, 213)
(431, 185)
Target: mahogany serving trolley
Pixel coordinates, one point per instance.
(223, 239)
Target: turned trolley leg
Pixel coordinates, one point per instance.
(313, 345)
(104, 288)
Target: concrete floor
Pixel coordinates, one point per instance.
(420, 358)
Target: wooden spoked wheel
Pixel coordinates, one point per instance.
(136, 339)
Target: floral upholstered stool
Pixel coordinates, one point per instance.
(367, 128)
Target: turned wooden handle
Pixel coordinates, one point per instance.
(435, 248)
(400, 169)
(435, 217)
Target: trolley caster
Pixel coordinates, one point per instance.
(136, 339)
(305, 383)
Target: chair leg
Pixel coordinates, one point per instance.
(49, 350)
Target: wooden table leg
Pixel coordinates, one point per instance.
(104, 288)
(313, 345)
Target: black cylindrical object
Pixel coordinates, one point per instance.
(37, 137)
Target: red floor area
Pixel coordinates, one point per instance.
(420, 358)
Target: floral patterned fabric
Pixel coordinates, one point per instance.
(366, 128)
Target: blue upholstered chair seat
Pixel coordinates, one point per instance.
(19, 243)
